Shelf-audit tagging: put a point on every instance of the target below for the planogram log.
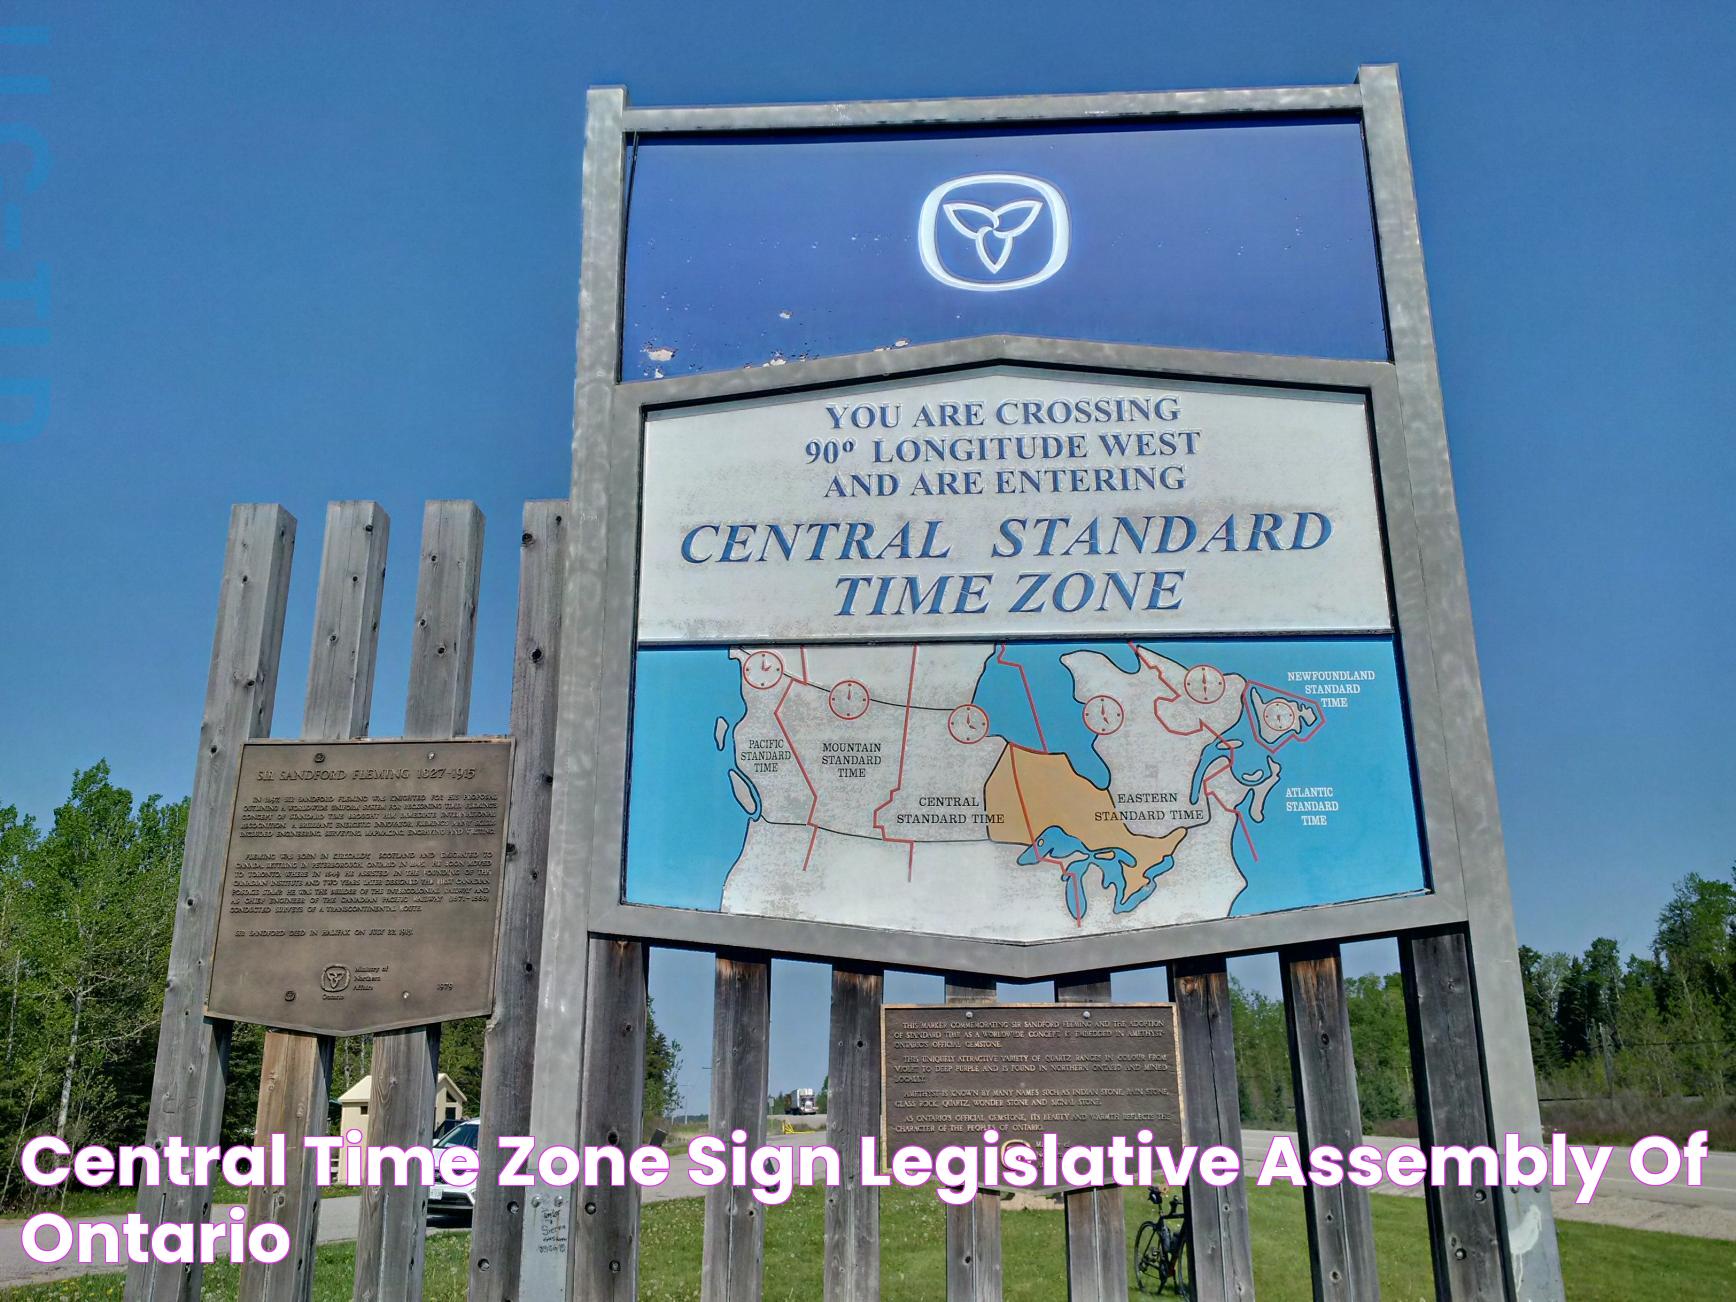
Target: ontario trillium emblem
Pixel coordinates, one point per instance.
(993, 230)
(1014, 230)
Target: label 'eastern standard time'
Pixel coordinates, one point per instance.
(1017, 655)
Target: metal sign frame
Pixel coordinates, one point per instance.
(1462, 818)
(619, 502)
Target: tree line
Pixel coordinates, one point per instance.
(86, 912)
(1654, 1026)
(1635, 1034)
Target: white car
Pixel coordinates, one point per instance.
(446, 1197)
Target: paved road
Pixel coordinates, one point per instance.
(1709, 1211)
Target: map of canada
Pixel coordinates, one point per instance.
(1022, 791)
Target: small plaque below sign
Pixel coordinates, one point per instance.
(362, 884)
(1082, 1072)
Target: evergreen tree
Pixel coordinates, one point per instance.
(1380, 1044)
(1695, 946)
(662, 1068)
(1542, 975)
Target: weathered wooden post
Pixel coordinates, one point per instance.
(192, 1049)
(497, 1225)
(1447, 1066)
(393, 1224)
(606, 1220)
(1096, 1218)
(973, 1230)
(1219, 1238)
(852, 1113)
(296, 1068)
(1534, 1267)
(558, 1067)
(1340, 1226)
(734, 1220)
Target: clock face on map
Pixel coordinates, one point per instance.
(763, 669)
(851, 711)
(968, 724)
(1204, 684)
(849, 699)
(1104, 715)
(1279, 716)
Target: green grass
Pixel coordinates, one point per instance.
(334, 1277)
(1601, 1263)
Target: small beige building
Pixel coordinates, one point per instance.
(353, 1104)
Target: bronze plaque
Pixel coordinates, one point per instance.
(1082, 1072)
(362, 885)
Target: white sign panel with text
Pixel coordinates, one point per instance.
(1008, 503)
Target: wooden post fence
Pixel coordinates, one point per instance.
(1448, 1061)
(295, 1082)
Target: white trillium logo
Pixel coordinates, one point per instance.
(992, 230)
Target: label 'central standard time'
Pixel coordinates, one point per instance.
(1012, 504)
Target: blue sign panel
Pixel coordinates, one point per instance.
(746, 250)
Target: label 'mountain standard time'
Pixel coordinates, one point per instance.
(362, 884)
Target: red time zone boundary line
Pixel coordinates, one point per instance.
(790, 682)
(1212, 775)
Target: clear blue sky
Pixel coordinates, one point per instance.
(332, 252)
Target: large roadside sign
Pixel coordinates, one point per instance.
(1003, 528)
(1016, 537)
(1024, 653)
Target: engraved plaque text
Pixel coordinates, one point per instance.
(1084, 1073)
(362, 884)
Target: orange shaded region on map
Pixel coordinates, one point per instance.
(1033, 790)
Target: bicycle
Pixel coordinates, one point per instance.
(1160, 1250)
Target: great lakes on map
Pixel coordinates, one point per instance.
(1020, 791)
